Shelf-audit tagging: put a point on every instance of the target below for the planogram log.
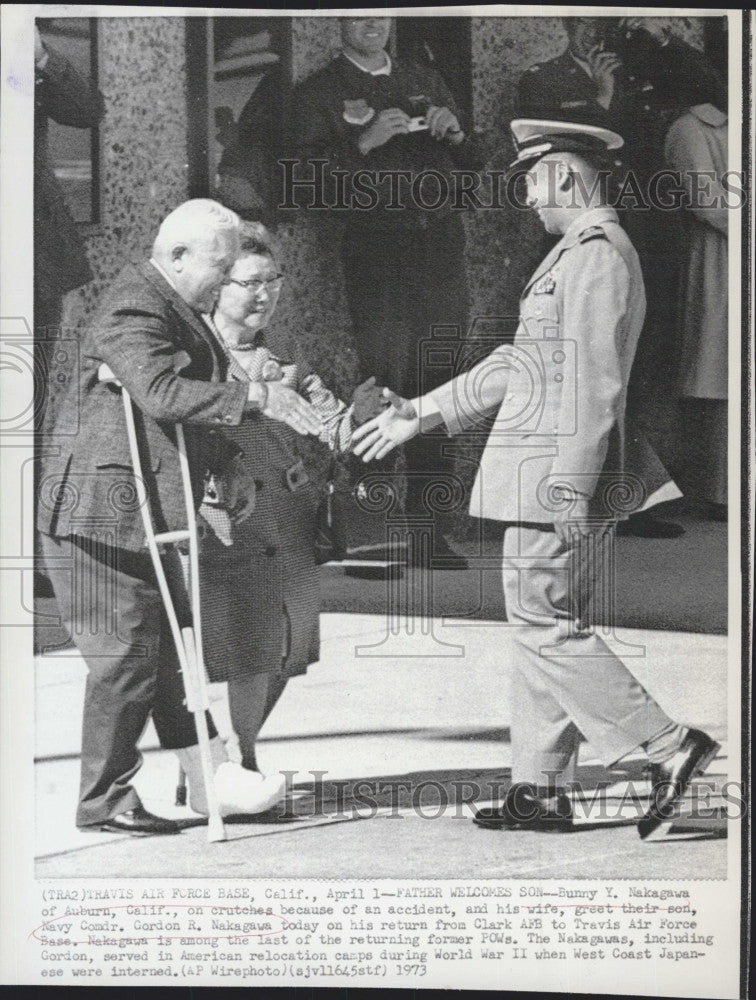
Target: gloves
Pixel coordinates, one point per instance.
(367, 402)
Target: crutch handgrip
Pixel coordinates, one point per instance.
(168, 537)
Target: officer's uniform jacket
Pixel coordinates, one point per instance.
(560, 388)
(171, 365)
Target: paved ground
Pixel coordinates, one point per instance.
(430, 710)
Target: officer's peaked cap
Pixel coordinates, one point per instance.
(534, 139)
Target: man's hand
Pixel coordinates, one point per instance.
(604, 66)
(659, 28)
(397, 424)
(442, 124)
(287, 406)
(574, 521)
(240, 491)
(387, 124)
(368, 401)
(569, 522)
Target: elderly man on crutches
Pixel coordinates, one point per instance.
(150, 335)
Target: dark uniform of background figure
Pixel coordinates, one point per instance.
(404, 269)
(60, 263)
(633, 94)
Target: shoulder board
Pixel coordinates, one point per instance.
(593, 233)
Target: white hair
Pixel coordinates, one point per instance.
(200, 217)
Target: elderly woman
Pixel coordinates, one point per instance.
(259, 580)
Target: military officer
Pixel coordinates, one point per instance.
(622, 73)
(557, 469)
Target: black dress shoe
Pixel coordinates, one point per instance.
(527, 807)
(670, 780)
(646, 526)
(137, 822)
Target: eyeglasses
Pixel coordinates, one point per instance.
(257, 284)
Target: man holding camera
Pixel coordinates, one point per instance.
(611, 74)
(403, 255)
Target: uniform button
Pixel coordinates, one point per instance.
(259, 485)
(559, 377)
(270, 550)
(558, 357)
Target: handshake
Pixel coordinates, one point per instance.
(384, 421)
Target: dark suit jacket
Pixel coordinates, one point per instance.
(168, 361)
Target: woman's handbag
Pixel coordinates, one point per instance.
(330, 530)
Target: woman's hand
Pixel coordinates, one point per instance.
(368, 401)
(240, 491)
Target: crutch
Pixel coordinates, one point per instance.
(188, 640)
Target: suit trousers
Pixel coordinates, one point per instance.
(110, 603)
(565, 679)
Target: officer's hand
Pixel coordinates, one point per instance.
(385, 125)
(287, 406)
(573, 522)
(443, 123)
(368, 401)
(604, 66)
(396, 425)
(658, 27)
(240, 491)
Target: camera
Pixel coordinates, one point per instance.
(634, 46)
(418, 124)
